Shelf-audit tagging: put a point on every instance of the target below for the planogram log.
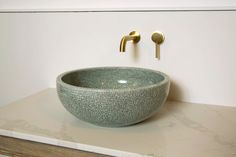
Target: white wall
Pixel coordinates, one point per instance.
(23, 62)
(198, 54)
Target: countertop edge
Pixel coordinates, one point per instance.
(67, 144)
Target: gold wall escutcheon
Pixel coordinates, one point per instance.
(158, 38)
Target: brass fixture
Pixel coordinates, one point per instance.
(158, 38)
(133, 36)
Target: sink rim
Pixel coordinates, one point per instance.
(60, 81)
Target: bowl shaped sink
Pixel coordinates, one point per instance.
(113, 96)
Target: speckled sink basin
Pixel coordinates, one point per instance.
(113, 96)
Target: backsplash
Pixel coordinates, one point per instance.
(198, 53)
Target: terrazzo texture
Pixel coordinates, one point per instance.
(113, 96)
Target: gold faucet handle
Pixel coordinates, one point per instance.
(158, 38)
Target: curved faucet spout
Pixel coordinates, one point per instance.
(133, 36)
(123, 44)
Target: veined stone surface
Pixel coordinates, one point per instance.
(178, 129)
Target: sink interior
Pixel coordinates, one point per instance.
(112, 78)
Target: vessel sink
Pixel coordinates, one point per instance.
(113, 96)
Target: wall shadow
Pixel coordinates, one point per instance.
(175, 92)
(136, 52)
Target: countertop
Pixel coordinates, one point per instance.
(178, 129)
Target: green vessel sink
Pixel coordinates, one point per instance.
(113, 96)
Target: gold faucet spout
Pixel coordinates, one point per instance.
(133, 36)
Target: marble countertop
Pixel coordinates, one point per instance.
(177, 130)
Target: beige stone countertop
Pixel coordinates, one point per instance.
(177, 130)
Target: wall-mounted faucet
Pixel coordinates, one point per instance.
(133, 36)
